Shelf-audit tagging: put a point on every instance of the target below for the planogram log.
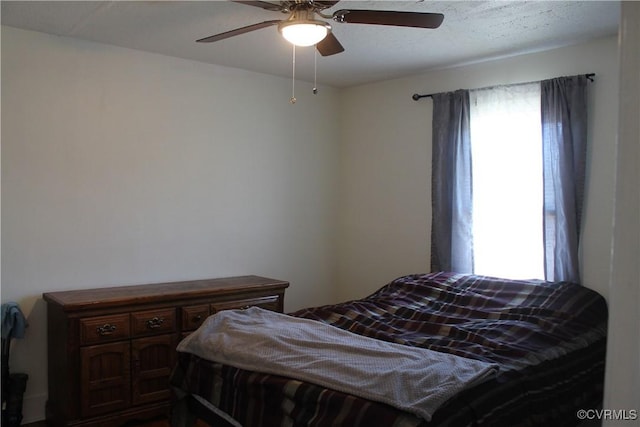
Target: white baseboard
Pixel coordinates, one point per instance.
(33, 408)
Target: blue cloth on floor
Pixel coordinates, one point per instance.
(13, 321)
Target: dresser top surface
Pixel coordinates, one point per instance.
(156, 292)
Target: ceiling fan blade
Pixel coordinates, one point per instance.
(329, 45)
(387, 17)
(238, 31)
(261, 4)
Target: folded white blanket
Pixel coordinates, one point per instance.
(411, 379)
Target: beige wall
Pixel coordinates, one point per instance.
(622, 387)
(123, 167)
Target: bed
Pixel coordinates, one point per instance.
(539, 348)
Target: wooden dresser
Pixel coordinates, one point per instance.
(111, 350)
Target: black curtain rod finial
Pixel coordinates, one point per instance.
(417, 97)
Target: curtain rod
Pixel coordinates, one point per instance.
(416, 96)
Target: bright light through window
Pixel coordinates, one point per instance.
(507, 182)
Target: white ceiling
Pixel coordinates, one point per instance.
(471, 31)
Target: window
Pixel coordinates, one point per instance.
(508, 168)
(506, 156)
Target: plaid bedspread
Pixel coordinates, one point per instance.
(548, 338)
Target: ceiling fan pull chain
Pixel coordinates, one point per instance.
(292, 100)
(315, 71)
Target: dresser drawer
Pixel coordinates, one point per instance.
(193, 316)
(153, 321)
(104, 328)
(270, 302)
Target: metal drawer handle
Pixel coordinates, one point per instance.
(106, 329)
(154, 323)
(244, 307)
(197, 318)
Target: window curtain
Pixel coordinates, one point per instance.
(564, 141)
(451, 191)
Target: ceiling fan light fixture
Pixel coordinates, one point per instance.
(304, 32)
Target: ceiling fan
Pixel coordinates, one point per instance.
(302, 28)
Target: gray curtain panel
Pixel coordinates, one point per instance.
(451, 189)
(564, 141)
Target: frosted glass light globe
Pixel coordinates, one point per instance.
(306, 33)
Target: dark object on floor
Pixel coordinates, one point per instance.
(12, 413)
(13, 385)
